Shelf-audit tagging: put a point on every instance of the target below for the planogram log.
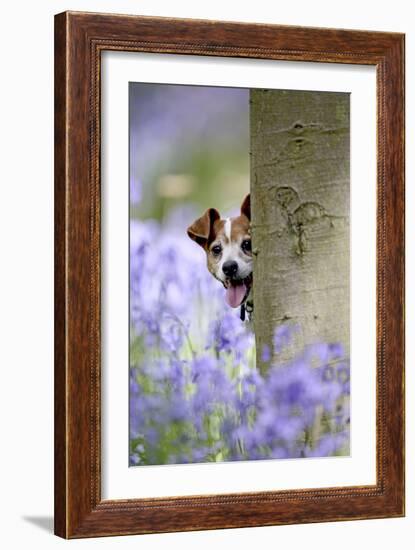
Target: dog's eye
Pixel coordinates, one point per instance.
(246, 245)
(216, 250)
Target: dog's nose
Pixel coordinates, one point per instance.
(230, 268)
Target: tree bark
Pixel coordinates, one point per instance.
(300, 196)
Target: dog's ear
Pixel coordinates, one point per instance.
(246, 207)
(201, 230)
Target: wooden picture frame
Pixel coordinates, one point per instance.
(79, 40)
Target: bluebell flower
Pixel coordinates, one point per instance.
(195, 394)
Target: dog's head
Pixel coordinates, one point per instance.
(227, 243)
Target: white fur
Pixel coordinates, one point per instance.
(227, 228)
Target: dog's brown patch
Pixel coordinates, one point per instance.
(240, 226)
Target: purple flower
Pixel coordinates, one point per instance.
(283, 336)
(195, 394)
(135, 190)
(266, 354)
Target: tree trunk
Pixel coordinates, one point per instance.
(300, 187)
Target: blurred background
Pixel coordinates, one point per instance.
(189, 149)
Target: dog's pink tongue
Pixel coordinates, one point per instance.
(235, 294)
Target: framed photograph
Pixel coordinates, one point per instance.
(229, 275)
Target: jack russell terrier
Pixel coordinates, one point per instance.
(227, 243)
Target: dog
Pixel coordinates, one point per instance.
(227, 243)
